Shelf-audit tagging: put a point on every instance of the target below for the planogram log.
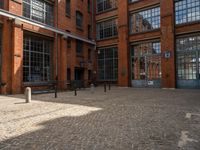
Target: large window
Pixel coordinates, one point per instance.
(68, 7)
(79, 19)
(37, 59)
(145, 20)
(187, 11)
(105, 5)
(1, 3)
(146, 61)
(188, 60)
(107, 29)
(39, 10)
(108, 64)
(79, 47)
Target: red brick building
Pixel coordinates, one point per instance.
(150, 43)
(138, 43)
(45, 39)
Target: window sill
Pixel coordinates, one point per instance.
(143, 32)
(79, 28)
(109, 38)
(102, 12)
(187, 23)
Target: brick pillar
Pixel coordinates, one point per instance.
(17, 58)
(6, 57)
(73, 58)
(123, 56)
(167, 40)
(62, 65)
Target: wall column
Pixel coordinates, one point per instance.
(62, 65)
(17, 58)
(123, 48)
(167, 44)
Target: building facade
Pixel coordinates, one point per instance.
(137, 43)
(42, 41)
(149, 43)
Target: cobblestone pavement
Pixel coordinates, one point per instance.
(121, 119)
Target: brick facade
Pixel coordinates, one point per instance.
(70, 64)
(166, 34)
(13, 32)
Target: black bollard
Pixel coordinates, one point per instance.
(75, 92)
(56, 91)
(56, 87)
(104, 87)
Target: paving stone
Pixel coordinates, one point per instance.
(121, 119)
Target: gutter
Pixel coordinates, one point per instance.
(44, 26)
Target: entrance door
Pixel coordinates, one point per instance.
(146, 65)
(188, 69)
(79, 74)
(146, 71)
(188, 62)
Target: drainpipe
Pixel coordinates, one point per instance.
(57, 46)
(92, 17)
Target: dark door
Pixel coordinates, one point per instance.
(79, 74)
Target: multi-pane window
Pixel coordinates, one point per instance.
(68, 7)
(1, 3)
(105, 5)
(89, 6)
(145, 20)
(79, 46)
(89, 32)
(108, 64)
(146, 61)
(39, 10)
(188, 60)
(107, 29)
(79, 19)
(36, 59)
(187, 11)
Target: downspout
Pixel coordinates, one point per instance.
(57, 46)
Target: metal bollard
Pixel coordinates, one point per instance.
(109, 86)
(75, 92)
(92, 88)
(104, 87)
(56, 91)
(28, 94)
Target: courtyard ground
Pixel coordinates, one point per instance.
(121, 119)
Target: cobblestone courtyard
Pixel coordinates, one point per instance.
(121, 119)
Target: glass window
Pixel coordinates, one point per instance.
(145, 20)
(79, 19)
(36, 59)
(79, 46)
(108, 64)
(146, 61)
(187, 11)
(104, 5)
(1, 3)
(107, 29)
(68, 7)
(187, 60)
(38, 10)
